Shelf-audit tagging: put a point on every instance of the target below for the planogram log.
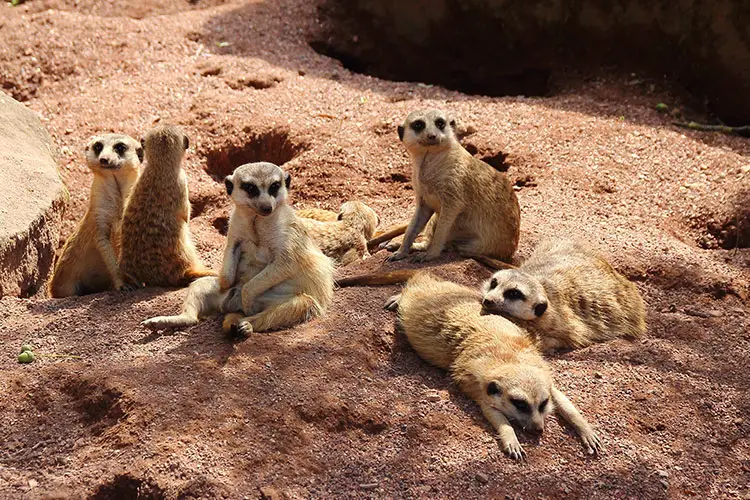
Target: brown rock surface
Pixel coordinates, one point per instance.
(337, 407)
(32, 199)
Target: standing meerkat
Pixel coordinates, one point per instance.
(568, 296)
(344, 239)
(475, 206)
(88, 262)
(491, 359)
(156, 247)
(272, 270)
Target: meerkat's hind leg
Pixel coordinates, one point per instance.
(392, 303)
(204, 297)
(282, 314)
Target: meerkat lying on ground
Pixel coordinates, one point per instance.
(568, 296)
(475, 206)
(490, 358)
(272, 270)
(88, 262)
(319, 214)
(156, 247)
(344, 239)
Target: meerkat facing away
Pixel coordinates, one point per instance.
(319, 214)
(272, 270)
(568, 296)
(476, 208)
(345, 238)
(88, 262)
(156, 247)
(491, 359)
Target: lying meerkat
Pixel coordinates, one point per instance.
(345, 238)
(475, 206)
(490, 358)
(156, 247)
(319, 214)
(568, 296)
(272, 270)
(88, 262)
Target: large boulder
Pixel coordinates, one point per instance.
(32, 200)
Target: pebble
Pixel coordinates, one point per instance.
(368, 486)
(662, 473)
(598, 375)
(33, 483)
(482, 478)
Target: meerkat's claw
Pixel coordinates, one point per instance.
(244, 328)
(392, 303)
(391, 246)
(593, 444)
(400, 255)
(515, 451)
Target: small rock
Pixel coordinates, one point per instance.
(598, 375)
(33, 483)
(715, 313)
(738, 421)
(368, 486)
(696, 312)
(662, 473)
(664, 483)
(301, 72)
(745, 169)
(482, 478)
(433, 397)
(269, 493)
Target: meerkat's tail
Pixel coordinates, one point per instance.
(196, 272)
(495, 264)
(166, 322)
(386, 236)
(389, 278)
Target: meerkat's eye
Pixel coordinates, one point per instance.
(440, 123)
(521, 405)
(493, 388)
(418, 125)
(251, 189)
(97, 147)
(273, 189)
(493, 283)
(513, 294)
(543, 405)
(120, 148)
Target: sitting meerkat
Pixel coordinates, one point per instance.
(344, 239)
(568, 296)
(156, 247)
(272, 270)
(475, 207)
(88, 263)
(491, 359)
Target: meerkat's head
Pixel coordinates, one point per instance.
(427, 130)
(514, 293)
(112, 152)
(519, 391)
(261, 187)
(356, 212)
(165, 145)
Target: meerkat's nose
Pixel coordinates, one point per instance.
(431, 137)
(103, 161)
(486, 302)
(266, 209)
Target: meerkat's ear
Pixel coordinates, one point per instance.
(185, 142)
(139, 152)
(287, 179)
(340, 216)
(493, 389)
(143, 142)
(229, 184)
(401, 132)
(452, 123)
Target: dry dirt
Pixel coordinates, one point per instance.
(341, 406)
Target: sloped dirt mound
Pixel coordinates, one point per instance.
(126, 486)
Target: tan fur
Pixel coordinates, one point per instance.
(476, 210)
(318, 214)
(156, 245)
(587, 301)
(272, 270)
(88, 262)
(344, 239)
(490, 358)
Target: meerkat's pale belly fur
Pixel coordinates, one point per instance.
(588, 300)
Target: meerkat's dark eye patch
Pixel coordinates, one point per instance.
(520, 405)
(493, 388)
(543, 405)
(513, 294)
(417, 125)
(493, 283)
(185, 142)
(250, 188)
(97, 148)
(120, 148)
(440, 123)
(273, 189)
(453, 123)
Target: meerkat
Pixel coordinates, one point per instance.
(345, 238)
(475, 207)
(272, 271)
(568, 296)
(319, 214)
(492, 360)
(156, 245)
(88, 262)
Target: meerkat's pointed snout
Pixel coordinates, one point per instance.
(540, 308)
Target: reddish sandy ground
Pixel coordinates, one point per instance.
(342, 406)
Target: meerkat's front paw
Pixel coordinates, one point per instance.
(244, 328)
(424, 257)
(513, 449)
(392, 303)
(400, 255)
(592, 443)
(391, 246)
(153, 324)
